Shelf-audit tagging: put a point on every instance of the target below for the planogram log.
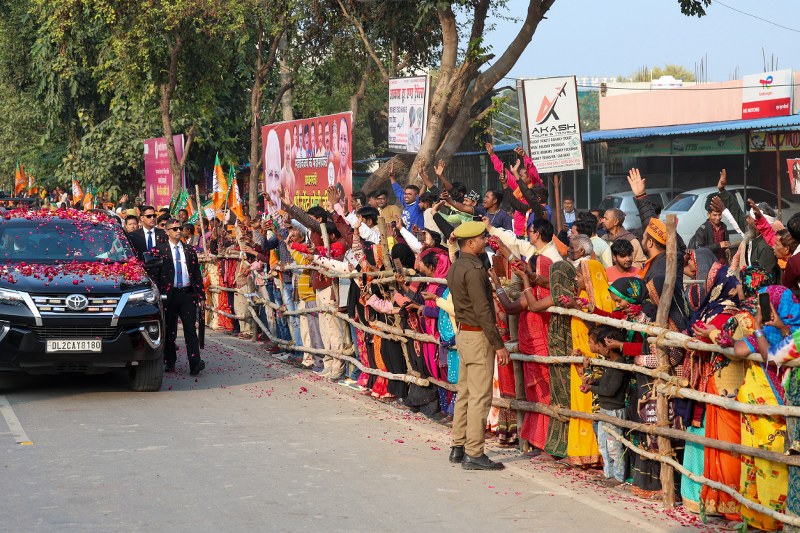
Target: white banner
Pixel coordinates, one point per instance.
(549, 115)
(768, 94)
(408, 113)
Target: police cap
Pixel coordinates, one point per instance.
(470, 229)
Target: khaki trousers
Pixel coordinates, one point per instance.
(332, 333)
(475, 373)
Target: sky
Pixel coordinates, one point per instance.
(617, 37)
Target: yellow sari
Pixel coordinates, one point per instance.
(582, 442)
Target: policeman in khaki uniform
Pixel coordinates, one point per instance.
(478, 342)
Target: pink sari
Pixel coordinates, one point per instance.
(533, 328)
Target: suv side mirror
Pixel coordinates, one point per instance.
(151, 261)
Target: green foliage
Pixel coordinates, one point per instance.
(589, 105)
(646, 74)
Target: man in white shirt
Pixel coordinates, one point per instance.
(540, 240)
(180, 280)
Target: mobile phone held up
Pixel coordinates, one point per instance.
(766, 310)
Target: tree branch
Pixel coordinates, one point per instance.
(188, 145)
(277, 100)
(365, 40)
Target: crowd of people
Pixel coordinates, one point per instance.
(534, 258)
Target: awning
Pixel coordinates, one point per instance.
(791, 122)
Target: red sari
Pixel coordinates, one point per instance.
(533, 341)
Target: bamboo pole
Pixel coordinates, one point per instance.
(662, 402)
(572, 359)
(200, 218)
(519, 394)
(772, 513)
(556, 411)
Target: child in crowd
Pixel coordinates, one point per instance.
(611, 389)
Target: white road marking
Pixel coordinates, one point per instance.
(13, 423)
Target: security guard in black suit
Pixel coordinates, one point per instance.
(148, 236)
(180, 280)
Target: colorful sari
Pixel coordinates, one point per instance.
(532, 333)
(562, 283)
(582, 443)
(703, 258)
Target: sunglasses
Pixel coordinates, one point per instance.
(149, 216)
(176, 228)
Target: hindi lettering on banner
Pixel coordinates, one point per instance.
(551, 123)
(305, 157)
(408, 113)
(768, 94)
(157, 171)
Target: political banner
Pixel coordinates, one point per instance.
(768, 94)
(157, 172)
(307, 156)
(550, 123)
(714, 145)
(408, 113)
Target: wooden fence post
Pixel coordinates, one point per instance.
(662, 402)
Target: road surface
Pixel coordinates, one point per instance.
(253, 444)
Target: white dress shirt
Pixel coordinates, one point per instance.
(184, 281)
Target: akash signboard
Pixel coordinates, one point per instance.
(551, 123)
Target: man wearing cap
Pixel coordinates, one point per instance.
(478, 342)
(713, 233)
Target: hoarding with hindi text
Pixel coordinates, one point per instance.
(157, 171)
(408, 113)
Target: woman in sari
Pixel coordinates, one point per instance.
(716, 374)
(777, 341)
(532, 336)
(592, 283)
(761, 481)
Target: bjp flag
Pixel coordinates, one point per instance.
(20, 181)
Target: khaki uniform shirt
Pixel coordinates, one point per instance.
(472, 297)
(391, 213)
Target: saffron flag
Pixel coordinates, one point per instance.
(88, 198)
(77, 191)
(219, 186)
(208, 212)
(235, 200)
(20, 181)
(32, 188)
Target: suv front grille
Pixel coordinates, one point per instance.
(58, 304)
(75, 332)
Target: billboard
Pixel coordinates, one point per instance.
(157, 172)
(761, 141)
(307, 156)
(768, 94)
(550, 123)
(408, 113)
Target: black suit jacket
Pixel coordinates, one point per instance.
(166, 273)
(138, 240)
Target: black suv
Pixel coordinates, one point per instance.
(74, 298)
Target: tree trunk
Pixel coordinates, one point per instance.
(286, 80)
(255, 141)
(167, 92)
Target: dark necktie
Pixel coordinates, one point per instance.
(178, 268)
(149, 240)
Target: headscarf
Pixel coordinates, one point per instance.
(676, 319)
(754, 278)
(721, 294)
(629, 289)
(403, 252)
(788, 308)
(696, 292)
(596, 281)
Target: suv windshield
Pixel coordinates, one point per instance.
(683, 202)
(61, 240)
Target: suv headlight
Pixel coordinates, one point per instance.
(11, 297)
(150, 296)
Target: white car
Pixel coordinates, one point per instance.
(624, 201)
(690, 207)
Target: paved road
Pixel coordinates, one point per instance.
(254, 444)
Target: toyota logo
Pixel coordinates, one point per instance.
(77, 302)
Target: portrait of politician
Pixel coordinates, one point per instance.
(274, 175)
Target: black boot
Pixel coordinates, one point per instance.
(456, 454)
(481, 462)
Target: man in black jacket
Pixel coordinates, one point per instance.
(180, 280)
(148, 236)
(712, 234)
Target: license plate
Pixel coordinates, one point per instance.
(74, 345)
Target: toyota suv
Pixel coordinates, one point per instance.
(74, 298)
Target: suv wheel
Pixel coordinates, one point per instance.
(146, 376)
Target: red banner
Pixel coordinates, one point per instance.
(307, 156)
(157, 172)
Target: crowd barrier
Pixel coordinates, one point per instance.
(666, 385)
